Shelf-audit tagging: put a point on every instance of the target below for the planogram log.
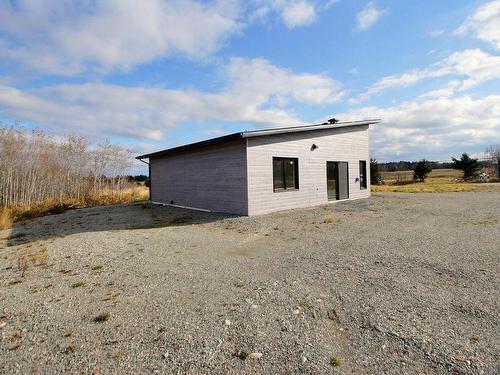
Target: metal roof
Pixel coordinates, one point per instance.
(258, 133)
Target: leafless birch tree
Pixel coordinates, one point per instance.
(36, 168)
(493, 153)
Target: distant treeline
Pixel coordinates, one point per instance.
(403, 165)
(138, 178)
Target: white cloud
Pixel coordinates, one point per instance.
(261, 13)
(432, 128)
(259, 78)
(475, 65)
(328, 4)
(255, 91)
(398, 80)
(484, 24)
(436, 33)
(368, 16)
(293, 13)
(446, 91)
(76, 36)
(299, 13)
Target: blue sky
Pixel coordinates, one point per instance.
(158, 73)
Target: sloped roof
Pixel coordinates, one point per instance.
(258, 133)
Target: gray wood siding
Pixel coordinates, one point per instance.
(347, 144)
(213, 178)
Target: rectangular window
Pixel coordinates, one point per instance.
(285, 174)
(362, 174)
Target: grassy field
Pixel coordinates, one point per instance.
(442, 174)
(439, 181)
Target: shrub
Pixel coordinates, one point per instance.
(375, 177)
(469, 166)
(5, 218)
(422, 170)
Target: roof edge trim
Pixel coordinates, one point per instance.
(258, 133)
(304, 128)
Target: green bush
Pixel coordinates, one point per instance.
(375, 177)
(469, 166)
(422, 170)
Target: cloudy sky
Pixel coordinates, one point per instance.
(158, 73)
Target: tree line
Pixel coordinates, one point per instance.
(470, 167)
(405, 165)
(36, 167)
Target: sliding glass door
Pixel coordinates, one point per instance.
(337, 180)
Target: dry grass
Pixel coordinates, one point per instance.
(132, 194)
(113, 297)
(328, 219)
(5, 218)
(22, 264)
(50, 207)
(432, 187)
(439, 181)
(40, 258)
(444, 174)
(37, 258)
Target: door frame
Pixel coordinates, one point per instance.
(337, 191)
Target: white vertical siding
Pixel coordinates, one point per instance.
(343, 144)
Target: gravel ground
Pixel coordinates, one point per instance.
(398, 283)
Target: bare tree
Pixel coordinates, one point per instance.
(493, 153)
(36, 168)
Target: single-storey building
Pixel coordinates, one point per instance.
(261, 171)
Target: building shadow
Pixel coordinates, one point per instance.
(132, 216)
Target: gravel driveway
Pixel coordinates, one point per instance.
(398, 283)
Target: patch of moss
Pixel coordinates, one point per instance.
(241, 354)
(304, 305)
(78, 284)
(101, 318)
(335, 361)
